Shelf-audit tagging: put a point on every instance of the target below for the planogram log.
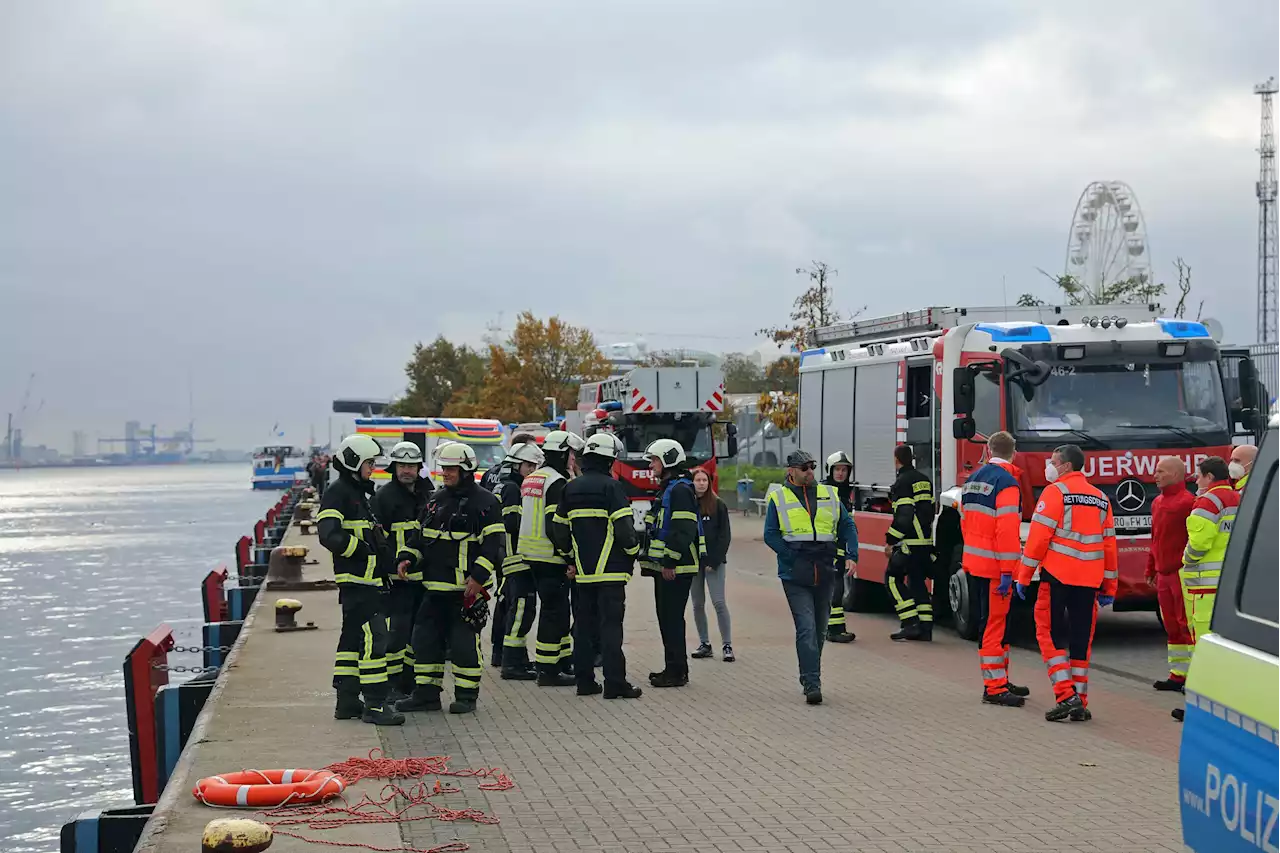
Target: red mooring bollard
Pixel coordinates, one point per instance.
(244, 555)
(260, 532)
(144, 675)
(215, 599)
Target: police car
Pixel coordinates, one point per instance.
(1229, 768)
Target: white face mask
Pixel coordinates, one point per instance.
(1050, 472)
(1236, 470)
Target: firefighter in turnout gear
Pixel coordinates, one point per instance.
(518, 602)
(461, 545)
(990, 525)
(398, 506)
(540, 498)
(1073, 544)
(595, 523)
(910, 548)
(840, 478)
(349, 530)
(674, 551)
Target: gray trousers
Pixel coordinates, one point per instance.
(713, 581)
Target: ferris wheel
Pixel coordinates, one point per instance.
(1107, 242)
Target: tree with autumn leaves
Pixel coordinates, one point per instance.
(539, 360)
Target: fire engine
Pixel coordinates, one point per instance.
(1124, 384)
(649, 403)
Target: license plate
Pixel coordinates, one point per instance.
(1132, 522)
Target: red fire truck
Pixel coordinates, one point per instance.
(1124, 384)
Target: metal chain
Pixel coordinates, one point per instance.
(195, 650)
(167, 668)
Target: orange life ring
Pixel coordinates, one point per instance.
(268, 788)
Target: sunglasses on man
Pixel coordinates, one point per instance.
(808, 466)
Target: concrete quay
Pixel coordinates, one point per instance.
(902, 756)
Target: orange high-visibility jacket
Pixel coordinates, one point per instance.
(991, 503)
(1073, 536)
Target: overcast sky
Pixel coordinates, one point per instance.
(277, 199)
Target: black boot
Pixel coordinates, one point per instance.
(1169, 685)
(926, 632)
(518, 673)
(841, 636)
(813, 696)
(1019, 690)
(421, 700)
(382, 715)
(622, 691)
(909, 631)
(394, 695)
(590, 688)
(1064, 709)
(669, 679)
(1081, 715)
(496, 660)
(566, 668)
(1008, 699)
(1178, 713)
(551, 676)
(349, 707)
(463, 705)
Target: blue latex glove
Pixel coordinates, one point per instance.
(1106, 600)
(1022, 590)
(1006, 581)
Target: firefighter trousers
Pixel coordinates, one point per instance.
(498, 618)
(1065, 619)
(438, 631)
(360, 665)
(549, 650)
(908, 584)
(993, 634)
(671, 598)
(836, 622)
(1173, 613)
(403, 603)
(598, 611)
(520, 592)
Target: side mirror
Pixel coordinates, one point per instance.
(964, 428)
(731, 439)
(962, 391)
(1248, 378)
(1026, 372)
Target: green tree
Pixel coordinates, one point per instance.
(1135, 290)
(812, 309)
(438, 372)
(783, 375)
(741, 375)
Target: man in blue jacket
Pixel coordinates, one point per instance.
(806, 525)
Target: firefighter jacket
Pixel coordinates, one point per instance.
(1169, 513)
(674, 530)
(594, 522)
(539, 499)
(844, 491)
(508, 494)
(991, 521)
(912, 501)
(808, 528)
(349, 530)
(399, 510)
(1073, 536)
(462, 536)
(1208, 530)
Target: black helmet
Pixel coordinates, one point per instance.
(800, 458)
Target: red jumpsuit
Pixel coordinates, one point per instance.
(1168, 539)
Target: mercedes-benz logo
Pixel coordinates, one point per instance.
(1131, 495)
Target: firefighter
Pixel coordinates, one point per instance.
(540, 497)
(991, 518)
(910, 548)
(518, 602)
(461, 547)
(1208, 531)
(1241, 464)
(1073, 544)
(1169, 513)
(594, 522)
(398, 506)
(576, 444)
(349, 530)
(674, 552)
(498, 473)
(840, 478)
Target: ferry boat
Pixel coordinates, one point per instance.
(485, 436)
(279, 467)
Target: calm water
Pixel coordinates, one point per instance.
(90, 561)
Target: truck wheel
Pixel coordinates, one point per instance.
(964, 614)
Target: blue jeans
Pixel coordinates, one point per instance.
(810, 610)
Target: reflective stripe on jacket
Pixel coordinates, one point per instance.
(596, 516)
(346, 528)
(991, 503)
(540, 494)
(399, 510)
(675, 534)
(912, 498)
(1208, 531)
(1073, 536)
(462, 536)
(795, 521)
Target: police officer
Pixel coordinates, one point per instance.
(461, 548)
(495, 475)
(840, 478)
(398, 506)
(349, 530)
(675, 550)
(518, 601)
(540, 497)
(910, 548)
(594, 522)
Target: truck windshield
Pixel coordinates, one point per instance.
(693, 434)
(1170, 402)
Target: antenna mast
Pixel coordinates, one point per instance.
(1267, 235)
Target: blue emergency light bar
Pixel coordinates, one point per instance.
(1016, 333)
(1183, 328)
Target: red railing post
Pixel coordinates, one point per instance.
(244, 555)
(144, 675)
(259, 532)
(215, 599)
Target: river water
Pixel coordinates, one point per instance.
(91, 559)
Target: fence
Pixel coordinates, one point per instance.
(1266, 358)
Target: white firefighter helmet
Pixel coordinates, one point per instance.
(527, 452)
(576, 444)
(558, 441)
(455, 454)
(406, 453)
(839, 458)
(668, 451)
(356, 450)
(601, 444)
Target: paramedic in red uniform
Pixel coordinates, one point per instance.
(991, 506)
(1073, 544)
(1169, 514)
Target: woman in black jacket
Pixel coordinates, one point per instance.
(715, 530)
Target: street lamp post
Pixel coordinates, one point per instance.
(552, 401)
